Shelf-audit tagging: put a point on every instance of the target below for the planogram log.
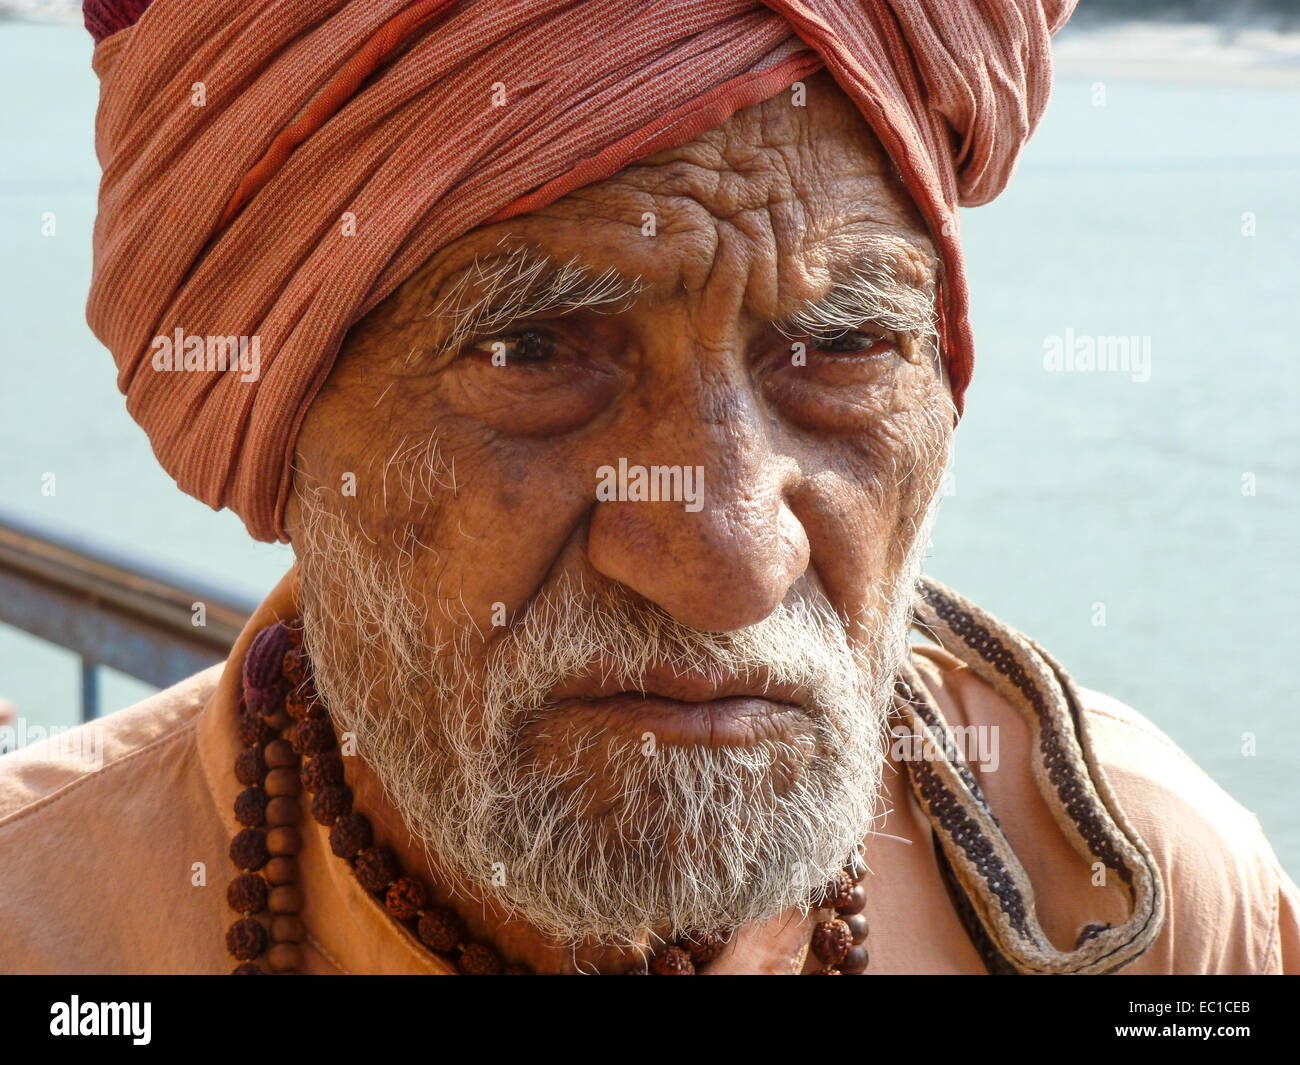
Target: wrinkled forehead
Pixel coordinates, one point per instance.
(783, 199)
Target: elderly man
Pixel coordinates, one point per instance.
(601, 362)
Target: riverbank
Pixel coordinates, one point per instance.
(1255, 53)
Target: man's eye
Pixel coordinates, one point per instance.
(849, 341)
(526, 346)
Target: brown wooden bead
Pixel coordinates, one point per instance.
(248, 850)
(250, 806)
(284, 840)
(478, 959)
(405, 899)
(350, 835)
(246, 939)
(293, 667)
(703, 947)
(831, 941)
(283, 781)
(283, 811)
(247, 969)
(281, 871)
(856, 902)
(323, 771)
(253, 730)
(284, 957)
(376, 868)
(672, 961)
(441, 929)
(259, 702)
(329, 804)
(312, 737)
(247, 894)
(250, 767)
(855, 961)
(638, 968)
(277, 720)
(279, 754)
(836, 891)
(286, 898)
(303, 704)
(857, 926)
(288, 928)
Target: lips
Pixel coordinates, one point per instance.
(683, 708)
(602, 680)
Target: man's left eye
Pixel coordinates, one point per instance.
(850, 341)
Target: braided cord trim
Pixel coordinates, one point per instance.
(1067, 774)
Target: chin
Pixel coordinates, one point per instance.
(604, 838)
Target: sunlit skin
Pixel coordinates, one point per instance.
(814, 474)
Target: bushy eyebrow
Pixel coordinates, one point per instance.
(868, 291)
(520, 283)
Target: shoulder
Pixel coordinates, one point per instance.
(49, 769)
(1230, 906)
(1169, 796)
(93, 821)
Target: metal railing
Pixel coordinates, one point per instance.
(112, 611)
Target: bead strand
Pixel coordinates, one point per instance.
(838, 941)
(266, 849)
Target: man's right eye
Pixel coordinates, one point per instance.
(527, 346)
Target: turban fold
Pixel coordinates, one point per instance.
(234, 137)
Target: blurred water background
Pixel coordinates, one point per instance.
(1160, 200)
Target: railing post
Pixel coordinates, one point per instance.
(112, 610)
(89, 690)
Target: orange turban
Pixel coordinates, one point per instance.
(235, 136)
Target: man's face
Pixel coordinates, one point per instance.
(608, 521)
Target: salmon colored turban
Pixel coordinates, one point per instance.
(236, 135)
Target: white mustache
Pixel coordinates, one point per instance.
(570, 632)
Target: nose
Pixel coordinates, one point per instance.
(727, 564)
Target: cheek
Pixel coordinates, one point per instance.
(862, 500)
(846, 398)
(484, 548)
(844, 521)
(474, 511)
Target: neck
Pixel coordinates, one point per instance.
(775, 946)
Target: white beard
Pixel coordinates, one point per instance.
(695, 837)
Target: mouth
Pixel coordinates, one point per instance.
(684, 709)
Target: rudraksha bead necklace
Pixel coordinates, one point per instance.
(289, 745)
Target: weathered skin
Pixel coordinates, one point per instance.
(814, 474)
